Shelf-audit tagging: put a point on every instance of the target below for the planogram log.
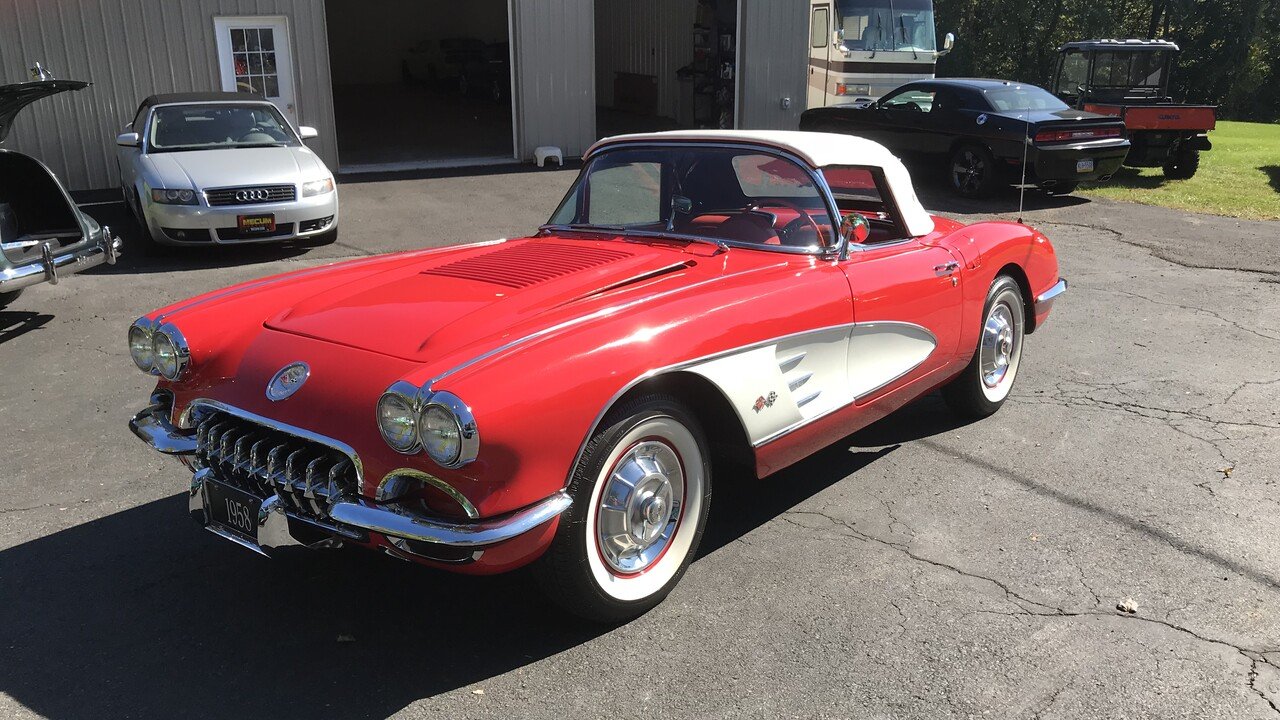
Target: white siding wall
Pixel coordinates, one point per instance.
(130, 49)
(649, 38)
(555, 75)
(773, 63)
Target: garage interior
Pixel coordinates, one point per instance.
(420, 83)
(665, 65)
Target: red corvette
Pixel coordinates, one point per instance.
(566, 398)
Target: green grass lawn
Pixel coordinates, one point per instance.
(1239, 177)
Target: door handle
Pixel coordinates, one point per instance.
(946, 268)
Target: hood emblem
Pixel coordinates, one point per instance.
(287, 381)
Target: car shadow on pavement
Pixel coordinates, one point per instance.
(930, 179)
(137, 256)
(15, 323)
(142, 614)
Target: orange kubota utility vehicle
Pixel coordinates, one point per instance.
(1130, 79)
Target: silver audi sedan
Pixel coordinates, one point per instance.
(223, 168)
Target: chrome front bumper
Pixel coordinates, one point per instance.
(353, 518)
(52, 266)
(1044, 301)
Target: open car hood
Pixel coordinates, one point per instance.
(19, 95)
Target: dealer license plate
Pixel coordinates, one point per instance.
(1085, 165)
(257, 224)
(233, 509)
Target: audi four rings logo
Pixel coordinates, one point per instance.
(252, 194)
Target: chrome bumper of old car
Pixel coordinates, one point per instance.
(1044, 301)
(52, 266)
(341, 517)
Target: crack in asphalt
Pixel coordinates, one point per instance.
(1043, 610)
(1192, 308)
(1268, 275)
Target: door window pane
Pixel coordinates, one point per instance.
(266, 38)
(251, 39)
(237, 40)
(254, 59)
(818, 32)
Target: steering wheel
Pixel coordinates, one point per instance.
(797, 223)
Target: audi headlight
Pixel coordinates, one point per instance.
(170, 354)
(398, 421)
(140, 345)
(173, 197)
(317, 187)
(447, 430)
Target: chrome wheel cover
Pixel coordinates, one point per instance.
(1000, 347)
(640, 506)
(645, 509)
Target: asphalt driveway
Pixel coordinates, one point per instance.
(921, 568)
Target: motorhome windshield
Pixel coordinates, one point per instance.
(887, 24)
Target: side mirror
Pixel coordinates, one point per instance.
(948, 43)
(838, 42)
(855, 228)
(306, 132)
(129, 139)
(681, 204)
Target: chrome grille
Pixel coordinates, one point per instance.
(251, 195)
(264, 461)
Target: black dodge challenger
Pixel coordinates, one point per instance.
(984, 128)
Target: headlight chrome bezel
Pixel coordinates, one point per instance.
(166, 332)
(174, 196)
(146, 329)
(420, 400)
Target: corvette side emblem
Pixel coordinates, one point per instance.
(287, 381)
(763, 401)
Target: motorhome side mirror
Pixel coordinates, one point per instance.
(948, 42)
(128, 139)
(306, 132)
(855, 228)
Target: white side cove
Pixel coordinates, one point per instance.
(778, 387)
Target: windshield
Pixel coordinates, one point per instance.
(736, 196)
(224, 125)
(887, 24)
(1022, 97)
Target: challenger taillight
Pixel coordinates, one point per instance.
(1049, 136)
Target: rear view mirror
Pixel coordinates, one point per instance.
(128, 139)
(855, 228)
(306, 132)
(681, 204)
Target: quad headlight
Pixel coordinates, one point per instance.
(159, 350)
(438, 423)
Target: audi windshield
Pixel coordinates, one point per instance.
(217, 126)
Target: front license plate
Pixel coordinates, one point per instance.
(257, 224)
(1085, 165)
(233, 509)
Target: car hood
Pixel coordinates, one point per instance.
(443, 303)
(200, 169)
(13, 98)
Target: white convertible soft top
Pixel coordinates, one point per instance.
(817, 149)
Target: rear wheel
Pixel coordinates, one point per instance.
(973, 171)
(640, 498)
(1182, 162)
(981, 388)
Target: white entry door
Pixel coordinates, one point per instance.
(254, 57)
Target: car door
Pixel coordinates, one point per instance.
(900, 117)
(906, 310)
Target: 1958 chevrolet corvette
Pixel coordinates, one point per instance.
(565, 399)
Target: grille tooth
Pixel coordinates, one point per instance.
(274, 193)
(265, 461)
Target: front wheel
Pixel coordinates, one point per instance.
(981, 388)
(640, 498)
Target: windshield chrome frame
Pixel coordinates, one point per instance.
(144, 137)
(824, 191)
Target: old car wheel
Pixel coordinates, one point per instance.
(1182, 163)
(973, 171)
(640, 498)
(984, 384)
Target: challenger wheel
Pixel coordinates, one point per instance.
(640, 498)
(973, 171)
(981, 388)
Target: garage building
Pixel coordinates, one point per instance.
(406, 84)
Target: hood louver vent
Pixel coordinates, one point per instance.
(528, 264)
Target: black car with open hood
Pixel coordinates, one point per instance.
(43, 235)
(991, 132)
